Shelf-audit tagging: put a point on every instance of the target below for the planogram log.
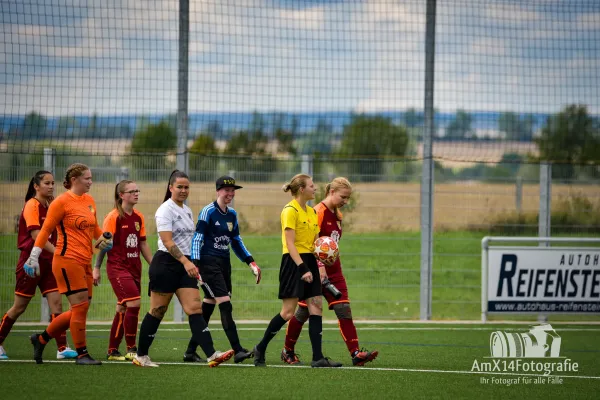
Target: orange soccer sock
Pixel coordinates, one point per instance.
(77, 326)
(57, 327)
(61, 340)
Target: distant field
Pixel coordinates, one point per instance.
(382, 207)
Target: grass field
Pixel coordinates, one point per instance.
(382, 270)
(416, 361)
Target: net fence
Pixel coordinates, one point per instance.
(278, 86)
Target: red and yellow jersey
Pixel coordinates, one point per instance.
(32, 218)
(74, 218)
(330, 224)
(128, 233)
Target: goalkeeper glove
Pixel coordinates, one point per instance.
(32, 265)
(256, 271)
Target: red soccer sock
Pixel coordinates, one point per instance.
(292, 333)
(131, 324)
(57, 327)
(116, 332)
(61, 339)
(5, 327)
(348, 331)
(77, 326)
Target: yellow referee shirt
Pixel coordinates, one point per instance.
(305, 224)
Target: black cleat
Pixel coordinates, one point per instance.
(364, 356)
(38, 348)
(325, 362)
(259, 358)
(242, 355)
(193, 357)
(87, 360)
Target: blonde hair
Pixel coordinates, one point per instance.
(297, 182)
(74, 171)
(120, 188)
(337, 184)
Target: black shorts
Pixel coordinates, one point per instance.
(167, 274)
(290, 283)
(216, 275)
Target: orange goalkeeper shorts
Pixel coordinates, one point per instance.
(72, 276)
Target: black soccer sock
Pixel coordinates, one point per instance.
(229, 326)
(201, 334)
(315, 330)
(207, 311)
(148, 329)
(274, 326)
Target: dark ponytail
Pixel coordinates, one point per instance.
(174, 175)
(35, 180)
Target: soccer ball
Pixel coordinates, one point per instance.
(326, 250)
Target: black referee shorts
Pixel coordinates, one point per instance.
(167, 274)
(290, 283)
(216, 275)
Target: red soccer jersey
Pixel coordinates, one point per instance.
(128, 233)
(330, 224)
(32, 218)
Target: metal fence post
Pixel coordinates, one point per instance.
(519, 194)
(49, 165)
(306, 167)
(545, 212)
(182, 107)
(427, 175)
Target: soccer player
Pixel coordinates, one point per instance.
(39, 195)
(124, 267)
(217, 228)
(75, 213)
(299, 273)
(329, 217)
(172, 272)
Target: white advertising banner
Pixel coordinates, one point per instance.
(543, 280)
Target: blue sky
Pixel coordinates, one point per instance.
(65, 57)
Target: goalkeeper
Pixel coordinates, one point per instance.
(216, 229)
(75, 212)
(330, 224)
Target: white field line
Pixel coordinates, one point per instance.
(364, 369)
(363, 322)
(366, 328)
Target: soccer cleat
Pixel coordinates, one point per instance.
(242, 355)
(219, 357)
(325, 362)
(131, 353)
(115, 355)
(193, 357)
(3, 355)
(363, 357)
(259, 358)
(87, 360)
(38, 348)
(144, 361)
(67, 353)
(290, 357)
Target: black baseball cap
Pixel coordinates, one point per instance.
(226, 181)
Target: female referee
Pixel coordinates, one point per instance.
(329, 216)
(39, 195)
(299, 273)
(172, 272)
(124, 267)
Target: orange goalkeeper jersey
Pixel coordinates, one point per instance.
(75, 219)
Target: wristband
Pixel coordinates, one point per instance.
(303, 268)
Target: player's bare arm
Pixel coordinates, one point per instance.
(146, 251)
(49, 247)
